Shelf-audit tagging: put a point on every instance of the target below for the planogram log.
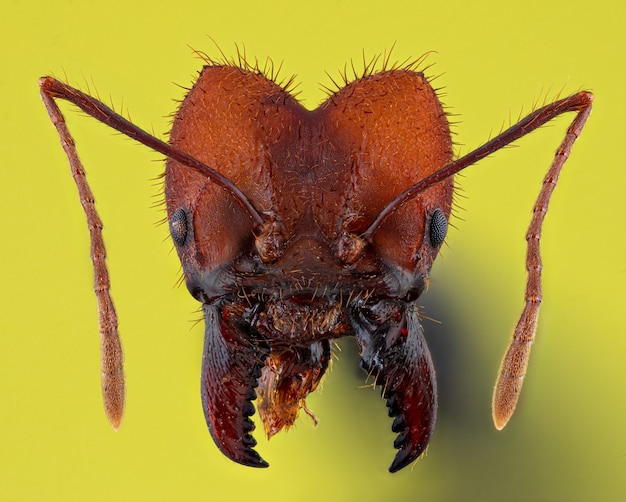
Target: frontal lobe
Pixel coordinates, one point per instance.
(241, 124)
(390, 131)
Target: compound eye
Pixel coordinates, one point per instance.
(438, 228)
(178, 227)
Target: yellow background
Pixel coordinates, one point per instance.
(567, 440)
